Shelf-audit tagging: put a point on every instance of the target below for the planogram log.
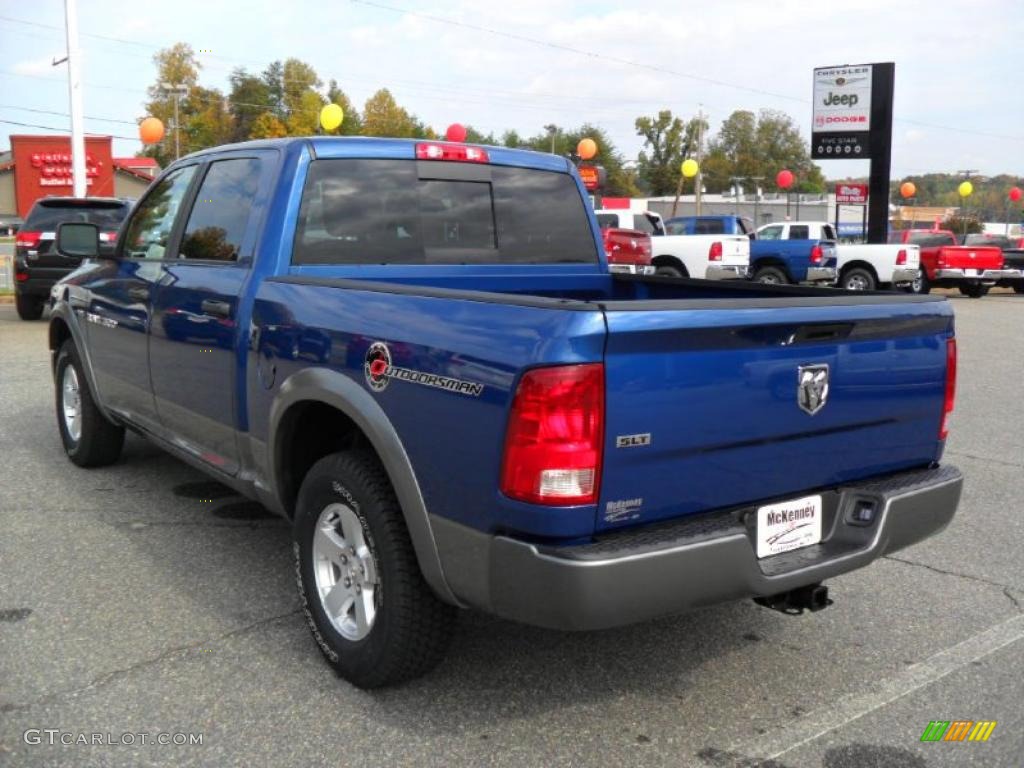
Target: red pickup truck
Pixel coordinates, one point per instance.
(628, 251)
(944, 264)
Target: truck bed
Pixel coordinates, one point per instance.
(708, 371)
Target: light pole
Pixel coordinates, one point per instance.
(177, 90)
(78, 180)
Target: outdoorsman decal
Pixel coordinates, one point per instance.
(379, 371)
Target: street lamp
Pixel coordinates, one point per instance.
(177, 90)
(553, 130)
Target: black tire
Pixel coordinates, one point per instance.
(770, 276)
(922, 285)
(412, 628)
(973, 290)
(100, 440)
(666, 270)
(29, 307)
(858, 279)
(1018, 288)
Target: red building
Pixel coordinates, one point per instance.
(40, 166)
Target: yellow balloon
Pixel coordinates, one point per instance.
(331, 117)
(965, 189)
(689, 168)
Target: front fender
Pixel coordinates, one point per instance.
(341, 392)
(62, 311)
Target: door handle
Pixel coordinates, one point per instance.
(139, 294)
(215, 307)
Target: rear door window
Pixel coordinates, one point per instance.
(799, 232)
(366, 211)
(646, 224)
(607, 220)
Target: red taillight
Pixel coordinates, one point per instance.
(901, 257)
(21, 277)
(715, 251)
(817, 254)
(28, 239)
(458, 152)
(947, 405)
(553, 447)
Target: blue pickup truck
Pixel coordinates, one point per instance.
(415, 352)
(773, 259)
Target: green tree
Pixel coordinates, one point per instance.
(668, 141)
(352, 125)
(249, 98)
(298, 78)
(212, 124)
(383, 117)
(749, 145)
(473, 136)
(620, 182)
(963, 224)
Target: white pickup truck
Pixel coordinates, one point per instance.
(861, 267)
(712, 257)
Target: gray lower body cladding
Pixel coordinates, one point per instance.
(638, 574)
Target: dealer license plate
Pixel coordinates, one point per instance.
(788, 525)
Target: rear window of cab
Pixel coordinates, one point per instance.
(383, 211)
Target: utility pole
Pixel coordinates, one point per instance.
(73, 57)
(699, 180)
(553, 130)
(177, 90)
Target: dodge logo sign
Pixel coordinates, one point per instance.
(812, 387)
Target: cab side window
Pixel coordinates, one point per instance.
(220, 214)
(151, 225)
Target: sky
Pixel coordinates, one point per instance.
(527, 63)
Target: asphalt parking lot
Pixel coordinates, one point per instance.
(142, 598)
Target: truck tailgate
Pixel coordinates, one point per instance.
(703, 407)
(735, 250)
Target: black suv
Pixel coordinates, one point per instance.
(37, 265)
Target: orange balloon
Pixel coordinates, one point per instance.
(586, 149)
(151, 130)
(908, 189)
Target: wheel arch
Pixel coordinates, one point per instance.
(668, 260)
(316, 396)
(858, 264)
(771, 261)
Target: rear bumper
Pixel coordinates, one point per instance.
(631, 269)
(987, 274)
(638, 574)
(821, 275)
(36, 286)
(726, 272)
(905, 274)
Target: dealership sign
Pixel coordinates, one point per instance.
(841, 118)
(55, 168)
(853, 194)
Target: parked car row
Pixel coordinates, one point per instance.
(724, 247)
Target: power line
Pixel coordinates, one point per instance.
(63, 130)
(66, 114)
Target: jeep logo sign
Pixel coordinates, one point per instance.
(845, 99)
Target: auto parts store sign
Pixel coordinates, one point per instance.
(841, 121)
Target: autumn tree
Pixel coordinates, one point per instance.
(383, 117)
(268, 126)
(620, 182)
(177, 65)
(249, 98)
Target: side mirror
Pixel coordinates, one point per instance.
(752, 235)
(78, 240)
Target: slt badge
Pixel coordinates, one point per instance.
(812, 387)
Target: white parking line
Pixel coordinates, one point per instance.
(852, 707)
